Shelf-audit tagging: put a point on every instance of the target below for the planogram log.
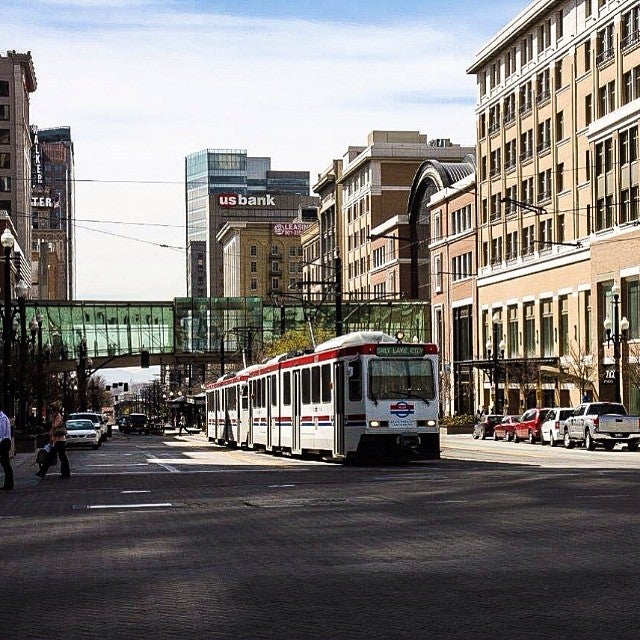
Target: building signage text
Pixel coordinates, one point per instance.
(289, 228)
(42, 201)
(230, 200)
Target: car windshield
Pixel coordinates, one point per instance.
(85, 416)
(77, 425)
(392, 379)
(565, 413)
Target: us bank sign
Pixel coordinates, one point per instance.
(231, 200)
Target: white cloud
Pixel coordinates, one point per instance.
(139, 95)
(98, 4)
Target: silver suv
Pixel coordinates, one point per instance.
(96, 418)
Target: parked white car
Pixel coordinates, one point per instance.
(82, 433)
(553, 425)
(97, 420)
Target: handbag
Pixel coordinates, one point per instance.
(47, 454)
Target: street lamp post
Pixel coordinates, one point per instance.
(616, 332)
(84, 364)
(7, 242)
(21, 294)
(495, 355)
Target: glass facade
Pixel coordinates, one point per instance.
(196, 325)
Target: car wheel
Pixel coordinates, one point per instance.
(495, 436)
(552, 441)
(507, 436)
(568, 442)
(96, 446)
(515, 437)
(633, 446)
(531, 438)
(589, 444)
(484, 434)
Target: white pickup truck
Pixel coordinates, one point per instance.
(603, 423)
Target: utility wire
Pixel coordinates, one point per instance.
(117, 235)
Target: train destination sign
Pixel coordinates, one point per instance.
(400, 350)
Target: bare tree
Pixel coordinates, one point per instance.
(525, 373)
(632, 365)
(580, 368)
(444, 388)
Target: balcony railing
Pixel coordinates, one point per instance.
(630, 40)
(525, 108)
(509, 117)
(604, 56)
(543, 146)
(543, 96)
(527, 154)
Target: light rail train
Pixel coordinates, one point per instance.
(361, 394)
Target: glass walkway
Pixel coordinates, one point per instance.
(174, 331)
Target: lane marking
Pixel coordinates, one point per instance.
(127, 464)
(280, 486)
(142, 505)
(605, 495)
(137, 491)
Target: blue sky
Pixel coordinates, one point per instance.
(142, 83)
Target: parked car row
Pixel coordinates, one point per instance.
(86, 429)
(591, 424)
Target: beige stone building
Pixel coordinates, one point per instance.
(376, 184)
(453, 291)
(261, 259)
(557, 124)
(17, 81)
(322, 242)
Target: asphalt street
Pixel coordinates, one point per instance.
(167, 537)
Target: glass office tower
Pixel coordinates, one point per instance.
(212, 171)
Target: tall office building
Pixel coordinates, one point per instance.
(211, 172)
(17, 81)
(53, 213)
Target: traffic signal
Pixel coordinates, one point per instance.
(144, 359)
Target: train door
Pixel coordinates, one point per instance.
(296, 407)
(270, 390)
(243, 414)
(252, 390)
(217, 412)
(338, 408)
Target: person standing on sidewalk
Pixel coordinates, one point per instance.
(5, 450)
(58, 437)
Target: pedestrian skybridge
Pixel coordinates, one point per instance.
(196, 329)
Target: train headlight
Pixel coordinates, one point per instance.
(431, 423)
(373, 424)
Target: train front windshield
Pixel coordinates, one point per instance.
(393, 379)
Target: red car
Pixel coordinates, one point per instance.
(530, 425)
(505, 429)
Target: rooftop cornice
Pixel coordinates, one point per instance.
(512, 30)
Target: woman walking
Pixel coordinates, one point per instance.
(58, 438)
